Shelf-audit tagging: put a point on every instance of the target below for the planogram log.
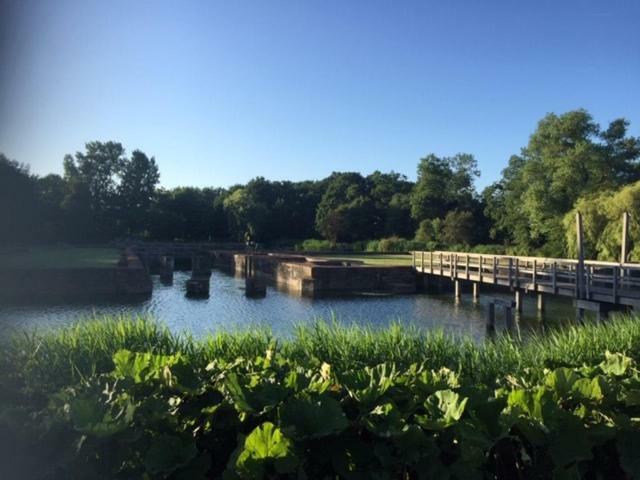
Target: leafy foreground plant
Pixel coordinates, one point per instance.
(159, 415)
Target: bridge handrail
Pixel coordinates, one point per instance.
(571, 261)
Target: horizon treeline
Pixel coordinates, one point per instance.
(569, 163)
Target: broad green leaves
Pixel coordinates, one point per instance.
(265, 448)
(368, 385)
(615, 364)
(144, 367)
(313, 416)
(160, 416)
(444, 408)
(168, 453)
(90, 416)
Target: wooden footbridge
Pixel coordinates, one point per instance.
(594, 285)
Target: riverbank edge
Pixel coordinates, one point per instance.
(127, 278)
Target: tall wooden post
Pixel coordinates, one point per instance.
(624, 254)
(624, 248)
(580, 249)
(491, 319)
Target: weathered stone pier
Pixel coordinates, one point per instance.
(199, 283)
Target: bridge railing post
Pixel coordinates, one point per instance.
(467, 266)
(495, 269)
(453, 269)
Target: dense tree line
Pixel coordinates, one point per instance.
(569, 163)
(568, 158)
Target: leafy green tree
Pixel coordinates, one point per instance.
(18, 202)
(398, 219)
(443, 184)
(136, 191)
(187, 213)
(51, 191)
(346, 211)
(567, 157)
(429, 231)
(602, 223)
(299, 212)
(248, 216)
(458, 228)
(272, 210)
(92, 199)
(79, 222)
(389, 193)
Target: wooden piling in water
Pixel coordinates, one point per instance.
(491, 319)
(540, 302)
(519, 299)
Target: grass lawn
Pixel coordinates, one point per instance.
(375, 259)
(60, 257)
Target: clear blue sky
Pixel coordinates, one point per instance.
(220, 92)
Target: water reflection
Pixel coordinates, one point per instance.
(227, 308)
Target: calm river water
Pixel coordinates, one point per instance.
(228, 309)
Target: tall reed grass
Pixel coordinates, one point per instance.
(46, 361)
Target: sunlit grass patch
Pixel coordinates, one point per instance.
(373, 259)
(59, 257)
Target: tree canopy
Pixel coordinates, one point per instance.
(568, 157)
(569, 164)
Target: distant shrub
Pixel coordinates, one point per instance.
(360, 246)
(458, 227)
(317, 245)
(397, 244)
(423, 245)
(392, 244)
(372, 246)
(429, 230)
(490, 249)
(313, 244)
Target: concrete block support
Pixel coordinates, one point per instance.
(601, 310)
